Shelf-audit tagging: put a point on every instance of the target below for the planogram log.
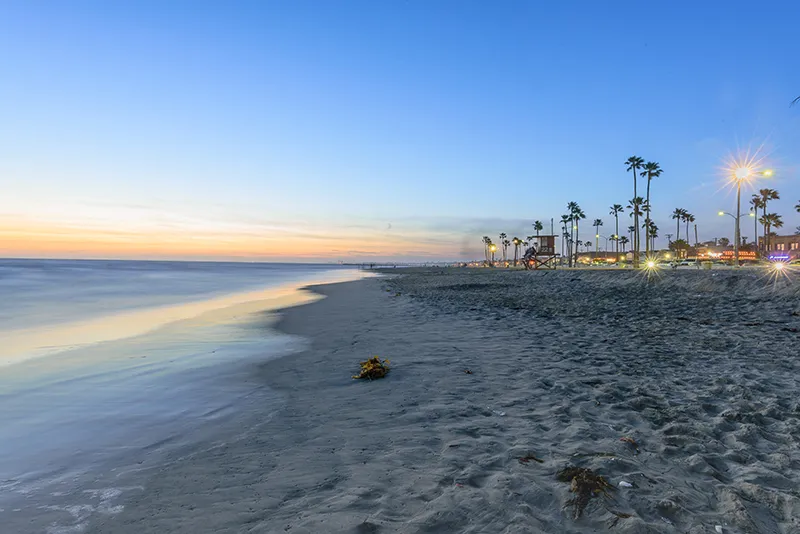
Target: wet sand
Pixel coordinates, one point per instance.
(700, 369)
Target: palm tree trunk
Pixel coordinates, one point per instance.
(647, 217)
(635, 226)
(571, 240)
(678, 233)
(616, 234)
(577, 236)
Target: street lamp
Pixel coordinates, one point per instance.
(737, 239)
(741, 174)
(598, 236)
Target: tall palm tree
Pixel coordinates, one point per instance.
(631, 229)
(646, 227)
(653, 234)
(770, 221)
(516, 242)
(767, 195)
(565, 220)
(687, 218)
(651, 170)
(635, 163)
(756, 204)
(503, 244)
(678, 214)
(487, 242)
(635, 209)
(506, 244)
(616, 209)
(597, 224)
(538, 226)
(577, 214)
(623, 241)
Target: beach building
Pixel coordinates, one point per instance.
(783, 246)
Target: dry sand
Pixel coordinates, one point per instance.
(699, 368)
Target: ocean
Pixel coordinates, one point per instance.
(105, 366)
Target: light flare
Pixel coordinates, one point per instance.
(745, 167)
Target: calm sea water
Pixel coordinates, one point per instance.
(106, 366)
(36, 292)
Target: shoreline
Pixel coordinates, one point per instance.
(563, 366)
(83, 429)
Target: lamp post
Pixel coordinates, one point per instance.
(598, 236)
(736, 238)
(742, 174)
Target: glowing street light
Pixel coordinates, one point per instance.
(741, 172)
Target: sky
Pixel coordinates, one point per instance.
(377, 131)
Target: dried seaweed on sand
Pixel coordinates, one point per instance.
(585, 484)
(373, 368)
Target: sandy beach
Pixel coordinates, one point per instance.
(698, 369)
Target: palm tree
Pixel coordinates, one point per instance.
(653, 234)
(516, 242)
(631, 229)
(776, 221)
(651, 170)
(503, 244)
(538, 226)
(506, 244)
(635, 163)
(767, 195)
(770, 221)
(486, 242)
(756, 204)
(577, 215)
(616, 209)
(724, 241)
(687, 218)
(597, 224)
(678, 214)
(565, 220)
(623, 241)
(635, 208)
(797, 207)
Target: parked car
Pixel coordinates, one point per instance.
(688, 262)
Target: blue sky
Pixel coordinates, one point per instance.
(397, 130)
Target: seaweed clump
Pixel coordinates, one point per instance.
(585, 484)
(373, 368)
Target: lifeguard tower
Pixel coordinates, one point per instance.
(541, 254)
